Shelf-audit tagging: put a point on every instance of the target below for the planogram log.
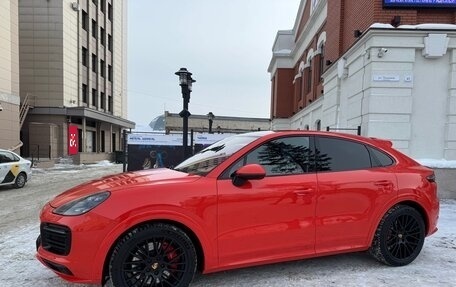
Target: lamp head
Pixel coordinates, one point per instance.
(183, 76)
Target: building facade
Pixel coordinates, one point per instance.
(9, 76)
(73, 74)
(389, 69)
(220, 124)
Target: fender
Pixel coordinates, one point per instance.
(411, 196)
(157, 213)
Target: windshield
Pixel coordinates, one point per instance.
(210, 157)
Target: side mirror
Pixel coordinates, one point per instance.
(248, 172)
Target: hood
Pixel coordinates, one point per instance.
(123, 181)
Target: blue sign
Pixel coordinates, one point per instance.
(420, 3)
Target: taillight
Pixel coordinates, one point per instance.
(431, 178)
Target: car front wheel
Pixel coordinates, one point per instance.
(153, 255)
(399, 236)
(20, 181)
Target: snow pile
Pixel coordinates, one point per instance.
(433, 163)
(428, 26)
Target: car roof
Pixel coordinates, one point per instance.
(371, 140)
(1, 149)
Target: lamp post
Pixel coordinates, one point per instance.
(210, 117)
(185, 81)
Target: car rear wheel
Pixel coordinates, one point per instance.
(399, 236)
(153, 255)
(20, 181)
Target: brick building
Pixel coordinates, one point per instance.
(370, 63)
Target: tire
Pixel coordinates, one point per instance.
(399, 236)
(20, 181)
(153, 255)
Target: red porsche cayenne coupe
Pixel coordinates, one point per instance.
(249, 199)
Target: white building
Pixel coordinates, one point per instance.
(396, 83)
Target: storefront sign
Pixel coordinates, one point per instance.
(73, 147)
(419, 3)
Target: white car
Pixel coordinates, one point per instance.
(14, 170)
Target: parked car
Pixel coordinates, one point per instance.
(14, 170)
(246, 200)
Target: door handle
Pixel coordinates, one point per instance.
(382, 183)
(304, 191)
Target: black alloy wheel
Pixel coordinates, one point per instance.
(153, 255)
(399, 237)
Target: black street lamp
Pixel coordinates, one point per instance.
(185, 81)
(210, 117)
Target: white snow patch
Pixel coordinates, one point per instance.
(435, 163)
(429, 27)
(283, 51)
(102, 163)
(382, 26)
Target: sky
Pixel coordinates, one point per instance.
(227, 45)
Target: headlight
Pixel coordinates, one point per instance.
(82, 205)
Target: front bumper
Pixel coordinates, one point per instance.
(74, 256)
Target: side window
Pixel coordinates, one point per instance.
(283, 156)
(341, 155)
(6, 157)
(379, 158)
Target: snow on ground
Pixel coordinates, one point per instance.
(436, 265)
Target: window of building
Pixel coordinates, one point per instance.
(103, 141)
(84, 56)
(309, 78)
(94, 28)
(102, 36)
(102, 100)
(110, 104)
(103, 5)
(85, 20)
(94, 97)
(313, 5)
(318, 125)
(94, 63)
(341, 155)
(109, 42)
(84, 93)
(110, 73)
(109, 11)
(322, 62)
(95, 2)
(102, 68)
